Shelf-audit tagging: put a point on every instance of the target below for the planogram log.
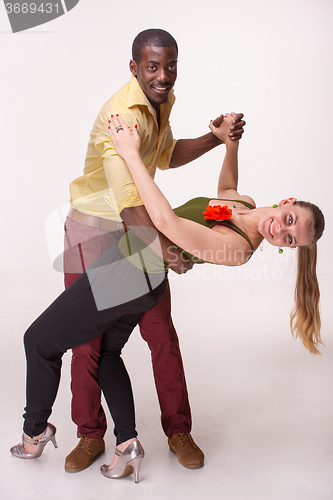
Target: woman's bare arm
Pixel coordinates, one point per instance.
(228, 179)
(204, 243)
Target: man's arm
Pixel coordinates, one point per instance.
(138, 219)
(187, 150)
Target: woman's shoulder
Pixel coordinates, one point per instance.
(248, 199)
(232, 194)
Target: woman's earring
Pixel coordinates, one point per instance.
(275, 205)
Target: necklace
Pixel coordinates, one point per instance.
(261, 244)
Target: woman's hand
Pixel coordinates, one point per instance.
(229, 128)
(126, 141)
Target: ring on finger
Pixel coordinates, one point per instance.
(119, 127)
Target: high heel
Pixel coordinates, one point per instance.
(129, 461)
(48, 435)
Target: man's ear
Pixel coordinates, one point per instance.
(133, 67)
(287, 201)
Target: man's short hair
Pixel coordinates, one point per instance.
(155, 37)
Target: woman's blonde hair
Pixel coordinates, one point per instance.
(305, 320)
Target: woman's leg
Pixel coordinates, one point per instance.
(63, 325)
(116, 384)
(74, 319)
(114, 379)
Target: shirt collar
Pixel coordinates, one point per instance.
(136, 97)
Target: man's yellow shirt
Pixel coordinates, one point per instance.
(106, 186)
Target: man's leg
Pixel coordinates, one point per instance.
(83, 245)
(87, 411)
(101, 357)
(158, 331)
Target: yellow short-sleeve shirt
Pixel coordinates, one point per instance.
(106, 186)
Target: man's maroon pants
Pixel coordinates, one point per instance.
(83, 245)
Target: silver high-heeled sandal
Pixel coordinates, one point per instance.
(48, 435)
(129, 461)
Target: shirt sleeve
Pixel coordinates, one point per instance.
(122, 190)
(170, 143)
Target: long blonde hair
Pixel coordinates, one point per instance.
(305, 319)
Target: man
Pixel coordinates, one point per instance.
(92, 226)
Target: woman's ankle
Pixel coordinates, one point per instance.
(122, 446)
(28, 447)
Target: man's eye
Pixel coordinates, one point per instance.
(151, 67)
(172, 68)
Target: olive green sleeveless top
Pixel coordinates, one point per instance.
(143, 257)
(193, 210)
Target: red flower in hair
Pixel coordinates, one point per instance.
(217, 212)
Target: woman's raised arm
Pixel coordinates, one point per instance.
(228, 179)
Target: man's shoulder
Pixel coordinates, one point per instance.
(115, 104)
(119, 98)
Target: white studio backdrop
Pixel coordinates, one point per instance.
(270, 59)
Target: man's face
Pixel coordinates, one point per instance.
(156, 72)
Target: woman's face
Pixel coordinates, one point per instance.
(287, 225)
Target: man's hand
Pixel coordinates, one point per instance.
(217, 122)
(138, 220)
(179, 263)
(223, 131)
(237, 128)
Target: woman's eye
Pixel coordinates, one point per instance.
(290, 239)
(290, 220)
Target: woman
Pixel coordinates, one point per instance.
(129, 278)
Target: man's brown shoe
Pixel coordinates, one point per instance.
(84, 454)
(189, 454)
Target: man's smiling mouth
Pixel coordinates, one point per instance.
(161, 88)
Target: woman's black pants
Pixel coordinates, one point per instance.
(94, 304)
